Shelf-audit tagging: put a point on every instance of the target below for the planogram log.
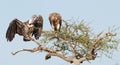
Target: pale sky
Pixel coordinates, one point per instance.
(101, 14)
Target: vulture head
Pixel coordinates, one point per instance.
(32, 19)
(55, 21)
(25, 29)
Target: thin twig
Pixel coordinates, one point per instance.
(38, 43)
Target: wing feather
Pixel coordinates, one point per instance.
(55, 21)
(12, 29)
(38, 27)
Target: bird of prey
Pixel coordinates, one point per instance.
(26, 29)
(55, 21)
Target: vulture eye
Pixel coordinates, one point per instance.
(30, 24)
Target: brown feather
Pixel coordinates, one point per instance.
(25, 29)
(55, 20)
(38, 26)
(12, 29)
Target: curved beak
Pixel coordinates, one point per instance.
(31, 21)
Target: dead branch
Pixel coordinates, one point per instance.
(28, 50)
(39, 48)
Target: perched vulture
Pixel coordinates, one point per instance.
(55, 21)
(26, 29)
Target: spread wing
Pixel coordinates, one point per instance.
(38, 26)
(12, 29)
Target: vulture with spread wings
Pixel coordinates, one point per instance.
(26, 29)
(55, 21)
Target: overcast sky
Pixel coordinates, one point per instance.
(100, 13)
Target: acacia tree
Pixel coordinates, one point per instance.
(75, 43)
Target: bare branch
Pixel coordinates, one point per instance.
(28, 50)
(35, 41)
(40, 48)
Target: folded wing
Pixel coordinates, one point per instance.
(38, 23)
(55, 21)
